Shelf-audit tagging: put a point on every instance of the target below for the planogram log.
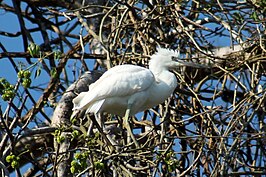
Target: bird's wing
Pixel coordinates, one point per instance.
(119, 81)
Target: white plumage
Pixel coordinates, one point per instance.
(130, 86)
(128, 89)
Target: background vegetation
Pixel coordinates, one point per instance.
(213, 125)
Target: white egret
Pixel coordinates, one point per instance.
(125, 90)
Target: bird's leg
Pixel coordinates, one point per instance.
(90, 128)
(99, 119)
(108, 136)
(101, 123)
(129, 131)
(100, 129)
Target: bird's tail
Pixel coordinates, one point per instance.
(84, 102)
(80, 101)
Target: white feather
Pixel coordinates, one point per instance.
(128, 85)
(95, 107)
(119, 81)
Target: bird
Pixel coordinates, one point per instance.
(126, 90)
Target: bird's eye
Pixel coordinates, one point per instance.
(173, 58)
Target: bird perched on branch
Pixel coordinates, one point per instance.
(125, 90)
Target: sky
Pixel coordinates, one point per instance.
(9, 23)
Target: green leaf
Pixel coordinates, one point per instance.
(34, 49)
(21, 74)
(57, 54)
(9, 158)
(14, 164)
(26, 83)
(38, 72)
(254, 16)
(26, 74)
(53, 72)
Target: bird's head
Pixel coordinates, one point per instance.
(169, 59)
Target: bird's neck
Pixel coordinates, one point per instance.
(157, 68)
(164, 75)
(163, 87)
(161, 73)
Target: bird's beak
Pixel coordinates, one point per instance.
(182, 62)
